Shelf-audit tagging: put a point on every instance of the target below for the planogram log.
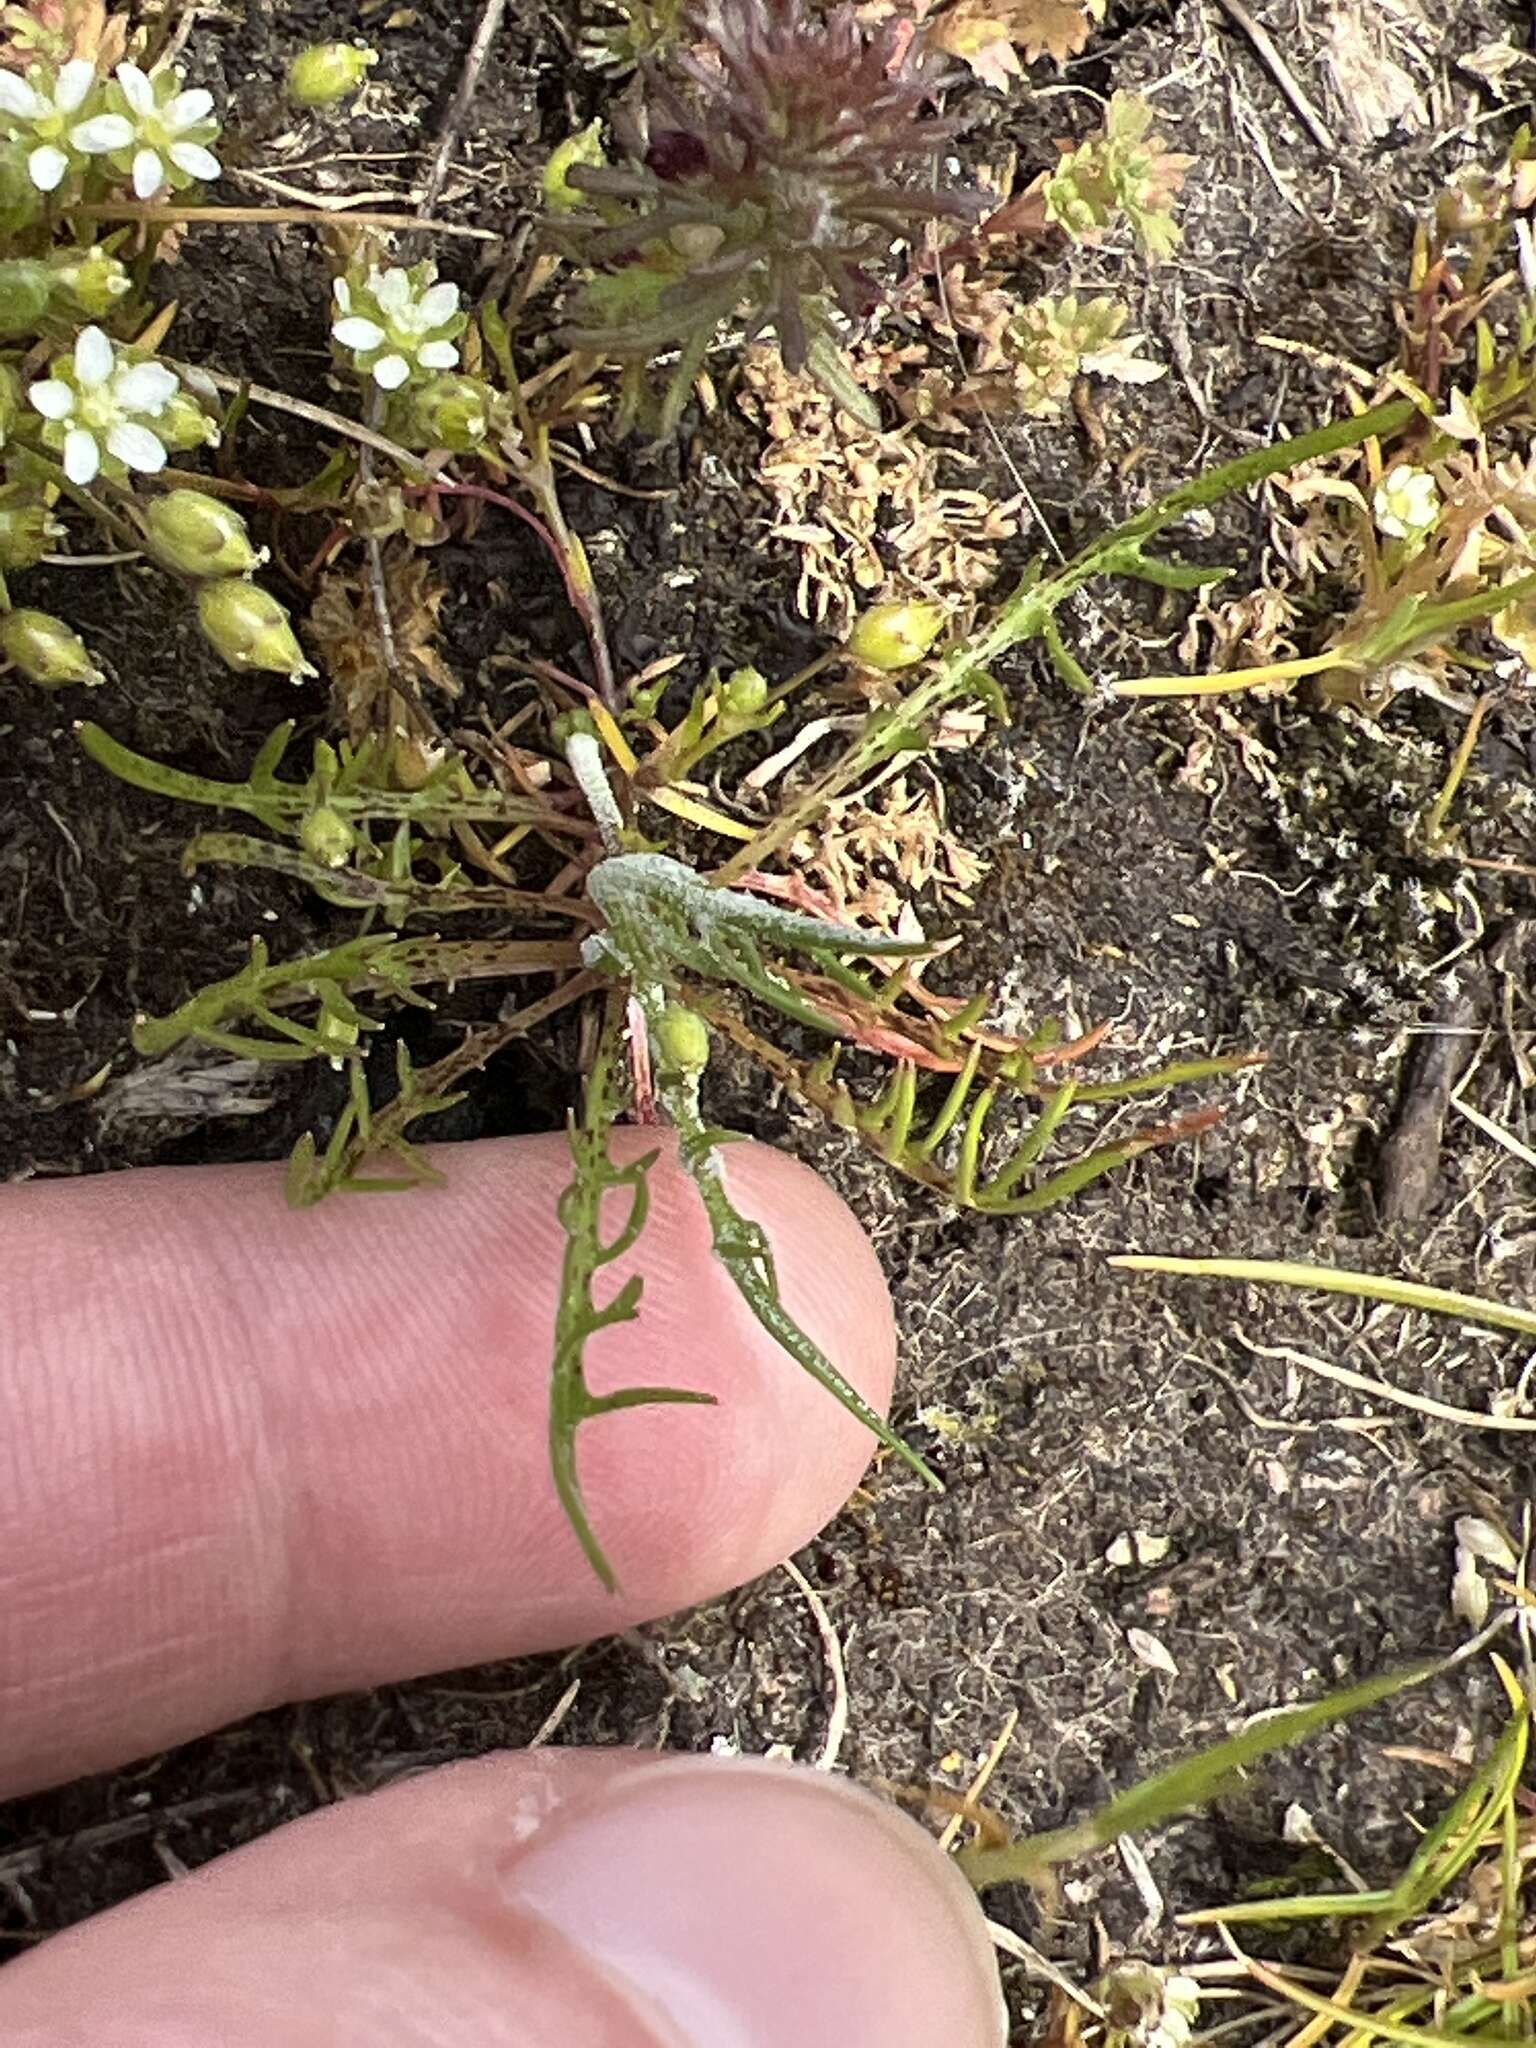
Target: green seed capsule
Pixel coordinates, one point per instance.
(200, 535)
(327, 838)
(327, 72)
(249, 628)
(895, 635)
(683, 1040)
(46, 650)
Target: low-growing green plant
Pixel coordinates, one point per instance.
(778, 163)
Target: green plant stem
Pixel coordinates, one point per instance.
(1026, 615)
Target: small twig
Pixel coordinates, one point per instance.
(1410, 1157)
(553, 1721)
(277, 216)
(832, 1649)
(22, 1862)
(1281, 73)
(463, 99)
(1382, 1390)
(315, 415)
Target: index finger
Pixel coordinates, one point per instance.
(249, 1456)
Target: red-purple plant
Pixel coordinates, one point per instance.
(777, 169)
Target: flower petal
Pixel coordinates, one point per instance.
(145, 387)
(46, 167)
(437, 355)
(52, 398)
(148, 173)
(82, 458)
(438, 304)
(136, 446)
(355, 332)
(76, 79)
(102, 133)
(187, 109)
(393, 290)
(390, 372)
(342, 293)
(18, 99)
(137, 90)
(196, 161)
(95, 358)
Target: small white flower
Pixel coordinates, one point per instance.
(46, 102)
(95, 408)
(1407, 503)
(397, 322)
(158, 131)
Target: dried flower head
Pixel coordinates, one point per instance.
(771, 184)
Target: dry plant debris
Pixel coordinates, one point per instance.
(870, 513)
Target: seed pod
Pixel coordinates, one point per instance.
(452, 412)
(895, 635)
(46, 650)
(745, 693)
(327, 838)
(200, 535)
(327, 72)
(249, 628)
(683, 1040)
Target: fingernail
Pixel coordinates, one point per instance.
(754, 1905)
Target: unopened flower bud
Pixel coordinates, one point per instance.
(452, 412)
(327, 72)
(200, 535)
(46, 650)
(93, 279)
(249, 628)
(182, 423)
(744, 693)
(327, 838)
(1407, 503)
(584, 147)
(895, 635)
(25, 289)
(683, 1040)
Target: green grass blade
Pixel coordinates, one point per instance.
(1193, 1782)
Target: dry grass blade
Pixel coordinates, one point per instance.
(1444, 1301)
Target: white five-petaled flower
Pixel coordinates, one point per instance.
(1407, 502)
(164, 131)
(46, 102)
(96, 406)
(397, 322)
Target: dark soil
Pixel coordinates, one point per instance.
(1152, 866)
